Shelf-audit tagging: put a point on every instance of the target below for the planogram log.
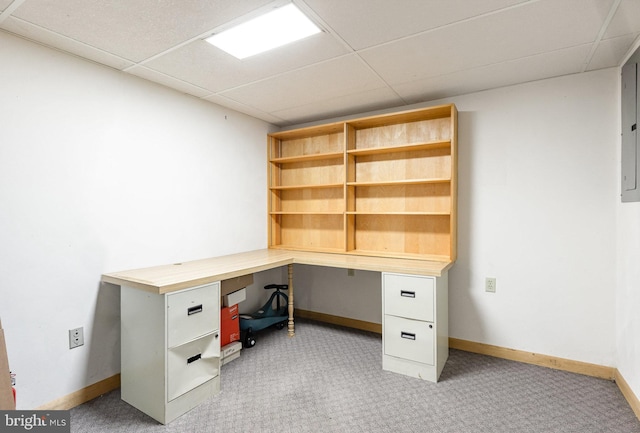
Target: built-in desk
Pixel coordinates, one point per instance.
(169, 278)
(415, 328)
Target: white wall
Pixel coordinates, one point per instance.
(333, 291)
(538, 188)
(100, 172)
(628, 295)
(628, 287)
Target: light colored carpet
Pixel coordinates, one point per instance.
(330, 379)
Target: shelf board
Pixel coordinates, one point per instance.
(441, 144)
(322, 185)
(436, 112)
(399, 213)
(400, 255)
(399, 182)
(305, 213)
(310, 131)
(303, 158)
(362, 213)
(302, 248)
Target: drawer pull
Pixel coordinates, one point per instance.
(408, 335)
(194, 358)
(194, 310)
(407, 294)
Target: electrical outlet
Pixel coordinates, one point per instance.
(76, 337)
(490, 285)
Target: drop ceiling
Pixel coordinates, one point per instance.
(372, 54)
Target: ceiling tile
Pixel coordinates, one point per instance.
(342, 105)
(134, 30)
(625, 21)
(491, 39)
(5, 4)
(557, 63)
(610, 52)
(312, 84)
(206, 66)
(157, 77)
(251, 111)
(47, 37)
(364, 23)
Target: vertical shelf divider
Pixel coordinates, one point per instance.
(350, 191)
(274, 201)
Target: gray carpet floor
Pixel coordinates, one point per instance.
(330, 379)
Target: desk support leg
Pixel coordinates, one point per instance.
(291, 327)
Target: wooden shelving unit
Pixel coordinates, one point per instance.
(381, 185)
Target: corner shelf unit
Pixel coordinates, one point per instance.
(381, 185)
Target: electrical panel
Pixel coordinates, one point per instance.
(630, 188)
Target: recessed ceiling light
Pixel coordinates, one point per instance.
(279, 27)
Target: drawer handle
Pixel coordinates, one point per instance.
(407, 294)
(194, 358)
(194, 310)
(408, 335)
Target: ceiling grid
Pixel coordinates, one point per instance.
(371, 55)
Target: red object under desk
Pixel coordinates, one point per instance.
(229, 325)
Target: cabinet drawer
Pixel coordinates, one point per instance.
(409, 339)
(408, 296)
(192, 364)
(192, 313)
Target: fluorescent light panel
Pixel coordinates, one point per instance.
(281, 26)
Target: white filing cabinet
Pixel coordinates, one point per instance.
(415, 331)
(170, 349)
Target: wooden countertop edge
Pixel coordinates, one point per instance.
(365, 263)
(169, 278)
(154, 287)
